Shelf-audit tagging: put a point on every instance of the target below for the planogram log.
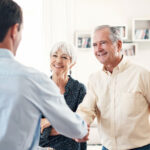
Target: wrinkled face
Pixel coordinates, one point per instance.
(60, 62)
(105, 51)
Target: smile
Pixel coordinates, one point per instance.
(57, 66)
(102, 54)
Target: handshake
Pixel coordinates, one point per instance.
(45, 123)
(85, 138)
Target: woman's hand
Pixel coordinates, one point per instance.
(44, 124)
(54, 132)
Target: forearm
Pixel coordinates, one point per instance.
(65, 121)
(86, 114)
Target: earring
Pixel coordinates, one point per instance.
(70, 72)
(51, 72)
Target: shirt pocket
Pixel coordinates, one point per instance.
(132, 104)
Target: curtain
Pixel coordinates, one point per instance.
(58, 22)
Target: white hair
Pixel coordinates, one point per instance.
(66, 48)
(114, 32)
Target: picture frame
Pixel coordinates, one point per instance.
(83, 40)
(141, 29)
(123, 31)
(129, 49)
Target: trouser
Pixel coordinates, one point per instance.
(146, 147)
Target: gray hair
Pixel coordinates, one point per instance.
(66, 48)
(114, 32)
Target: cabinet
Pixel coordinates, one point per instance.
(141, 30)
(123, 31)
(129, 49)
(83, 40)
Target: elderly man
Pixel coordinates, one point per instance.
(118, 95)
(25, 93)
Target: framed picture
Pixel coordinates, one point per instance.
(123, 31)
(129, 49)
(83, 40)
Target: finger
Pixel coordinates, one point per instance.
(41, 129)
(82, 140)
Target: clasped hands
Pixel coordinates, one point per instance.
(85, 138)
(45, 124)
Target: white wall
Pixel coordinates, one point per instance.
(30, 51)
(81, 15)
(90, 13)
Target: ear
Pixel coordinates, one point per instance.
(14, 31)
(72, 65)
(119, 45)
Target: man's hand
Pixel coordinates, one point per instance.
(44, 124)
(84, 139)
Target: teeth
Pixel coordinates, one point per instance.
(101, 54)
(58, 66)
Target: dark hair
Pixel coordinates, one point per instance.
(10, 14)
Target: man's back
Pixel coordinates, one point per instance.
(16, 109)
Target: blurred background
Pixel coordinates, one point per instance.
(49, 21)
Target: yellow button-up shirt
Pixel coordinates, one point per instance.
(121, 102)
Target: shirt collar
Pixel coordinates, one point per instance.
(119, 67)
(6, 53)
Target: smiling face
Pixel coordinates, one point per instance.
(60, 62)
(105, 50)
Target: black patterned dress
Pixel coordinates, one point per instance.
(74, 94)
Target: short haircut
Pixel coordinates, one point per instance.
(66, 48)
(10, 14)
(114, 32)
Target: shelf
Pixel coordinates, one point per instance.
(129, 49)
(123, 31)
(141, 30)
(83, 40)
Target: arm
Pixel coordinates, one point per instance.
(54, 108)
(65, 121)
(44, 124)
(145, 84)
(87, 109)
(85, 138)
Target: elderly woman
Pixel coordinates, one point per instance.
(62, 59)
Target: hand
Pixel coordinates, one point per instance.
(44, 124)
(85, 138)
(54, 132)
